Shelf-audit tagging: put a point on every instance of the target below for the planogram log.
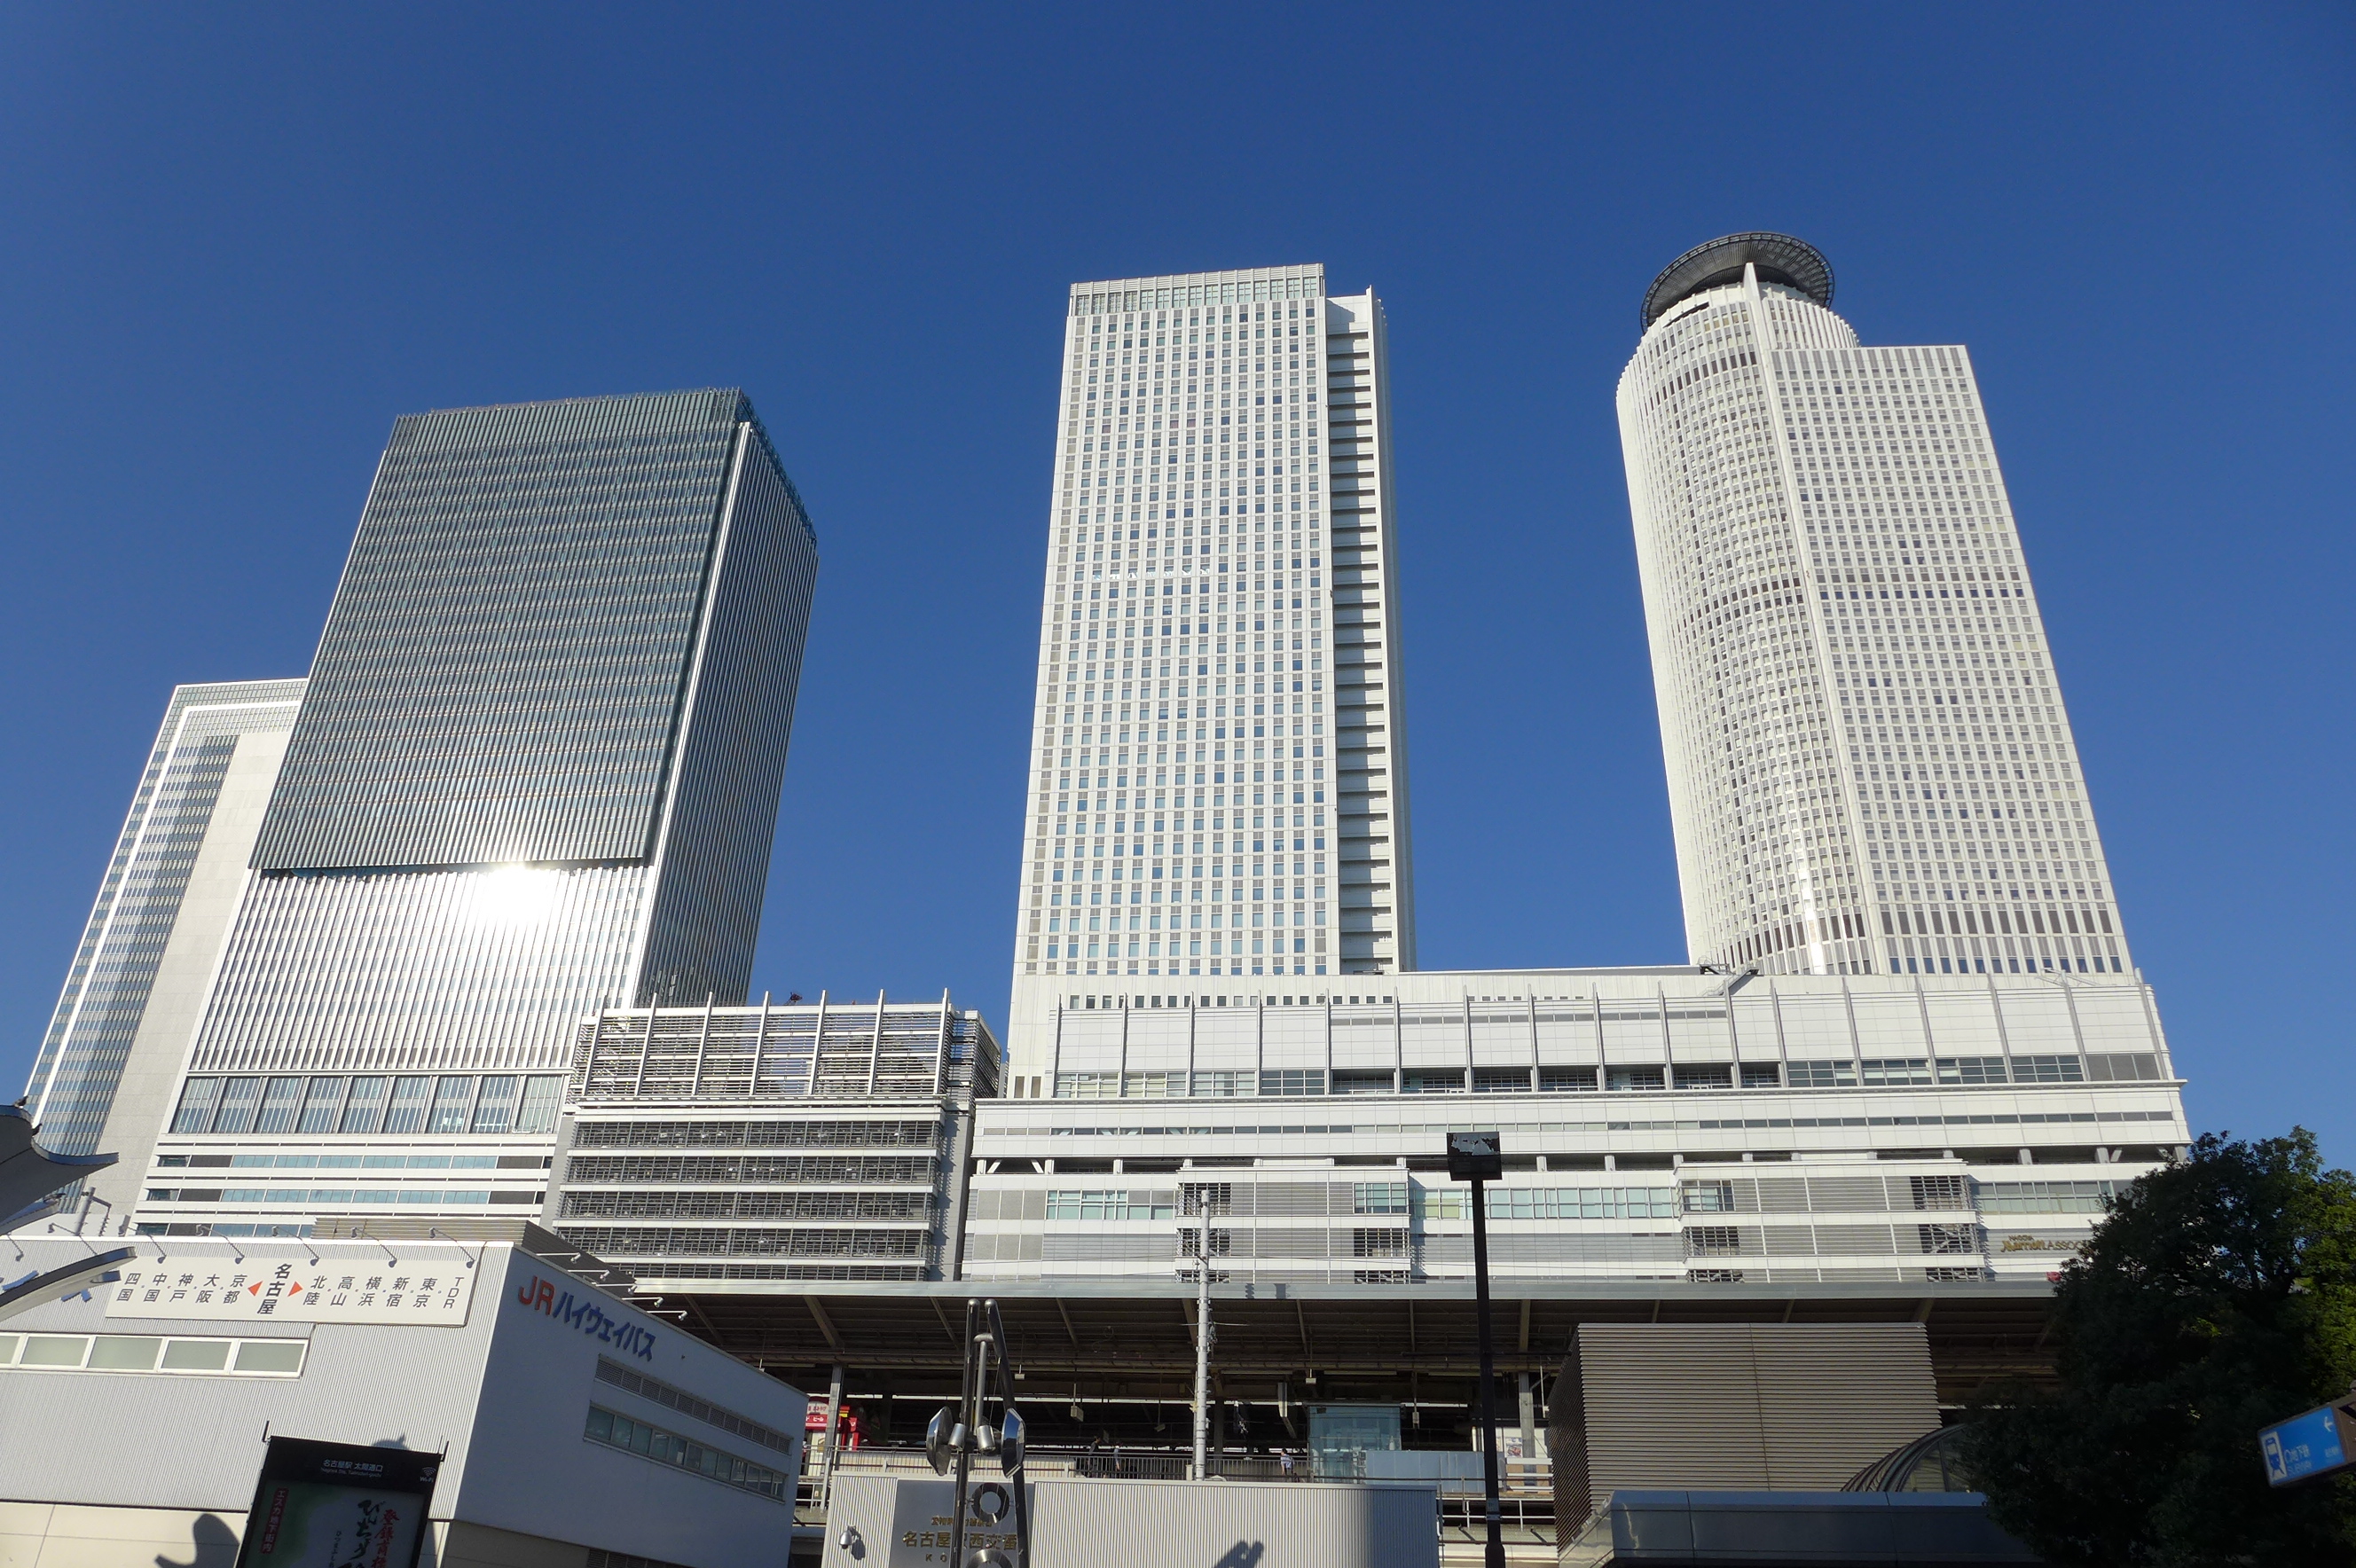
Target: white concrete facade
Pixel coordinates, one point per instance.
(1659, 1124)
(1217, 767)
(1870, 766)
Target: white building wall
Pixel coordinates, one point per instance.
(1870, 767)
(1658, 1124)
(121, 1031)
(1217, 767)
(151, 1077)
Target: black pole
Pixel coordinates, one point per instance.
(968, 1415)
(1496, 1557)
(1014, 1473)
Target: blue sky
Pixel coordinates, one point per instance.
(234, 244)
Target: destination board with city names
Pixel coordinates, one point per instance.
(435, 1291)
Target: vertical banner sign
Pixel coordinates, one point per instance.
(337, 1505)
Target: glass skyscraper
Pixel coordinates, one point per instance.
(535, 775)
(1870, 767)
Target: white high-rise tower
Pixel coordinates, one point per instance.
(1925, 1103)
(1870, 767)
(1218, 782)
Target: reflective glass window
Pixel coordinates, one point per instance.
(364, 1111)
(322, 1105)
(452, 1097)
(410, 1097)
(494, 1107)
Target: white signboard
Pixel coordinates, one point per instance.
(425, 1289)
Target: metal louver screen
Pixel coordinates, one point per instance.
(1775, 1407)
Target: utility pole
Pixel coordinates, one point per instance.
(1478, 1159)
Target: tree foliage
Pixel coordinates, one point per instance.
(2216, 1297)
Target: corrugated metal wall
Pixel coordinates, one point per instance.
(1777, 1407)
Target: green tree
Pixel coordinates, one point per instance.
(2217, 1296)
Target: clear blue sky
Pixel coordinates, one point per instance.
(236, 242)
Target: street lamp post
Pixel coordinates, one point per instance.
(1476, 1158)
(957, 1433)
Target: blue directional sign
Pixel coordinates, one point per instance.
(2315, 1444)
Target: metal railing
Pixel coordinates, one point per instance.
(1172, 1465)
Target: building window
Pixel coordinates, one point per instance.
(1824, 1075)
(1209, 1197)
(1948, 1239)
(145, 1354)
(1972, 1070)
(616, 1431)
(2048, 1070)
(1940, 1192)
(1896, 1071)
(1114, 1204)
(1709, 1197)
(1713, 1239)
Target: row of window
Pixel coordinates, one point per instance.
(152, 1353)
(756, 1134)
(1871, 1072)
(448, 1103)
(1708, 1240)
(1392, 1131)
(1835, 1192)
(616, 1431)
(853, 1168)
(1423, 1081)
(339, 1196)
(1907, 1072)
(724, 1205)
(656, 1241)
(2047, 1197)
(351, 1162)
(688, 1404)
(1379, 1198)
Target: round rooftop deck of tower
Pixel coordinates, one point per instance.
(1780, 258)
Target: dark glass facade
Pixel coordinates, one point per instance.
(506, 662)
(537, 770)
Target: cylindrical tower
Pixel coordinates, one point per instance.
(1869, 765)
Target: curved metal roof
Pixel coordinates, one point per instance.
(1927, 1464)
(1778, 258)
